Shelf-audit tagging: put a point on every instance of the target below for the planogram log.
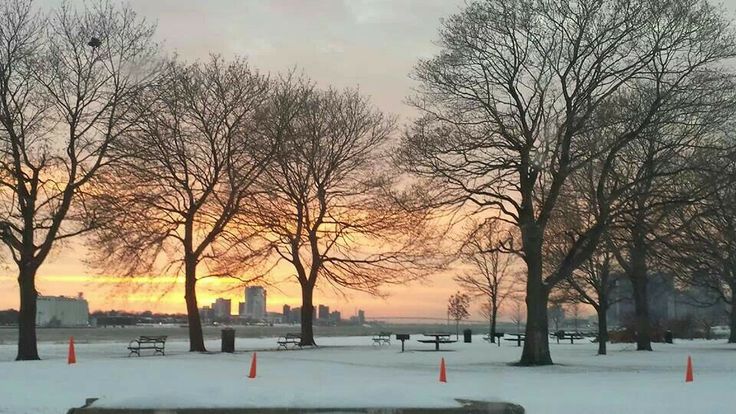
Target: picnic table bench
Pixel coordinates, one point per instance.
(497, 335)
(439, 338)
(293, 339)
(519, 337)
(156, 343)
(572, 336)
(382, 338)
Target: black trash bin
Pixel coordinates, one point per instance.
(228, 340)
(668, 337)
(468, 335)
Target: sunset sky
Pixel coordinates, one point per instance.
(369, 43)
(372, 44)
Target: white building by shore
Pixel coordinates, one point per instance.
(61, 311)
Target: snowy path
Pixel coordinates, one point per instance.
(348, 371)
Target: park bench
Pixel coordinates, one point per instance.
(293, 339)
(382, 338)
(518, 338)
(156, 343)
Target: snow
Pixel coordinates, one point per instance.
(349, 371)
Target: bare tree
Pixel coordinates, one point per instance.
(556, 313)
(511, 102)
(663, 166)
(593, 284)
(329, 210)
(458, 308)
(490, 279)
(183, 176)
(66, 85)
(517, 311)
(703, 252)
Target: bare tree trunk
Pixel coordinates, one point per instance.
(732, 320)
(27, 348)
(536, 342)
(307, 315)
(196, 338)
(602, 329)
(641, 310)
(494, 314)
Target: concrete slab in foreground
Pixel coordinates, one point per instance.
(465, 407)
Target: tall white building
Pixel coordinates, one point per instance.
(255, 302)
(58, 311)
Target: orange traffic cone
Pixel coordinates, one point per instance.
(72, 358)
(689, 371)
(443, 374)
(252, 373)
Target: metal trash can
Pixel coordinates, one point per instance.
(228, 340)
(668, 337)
(468, 335)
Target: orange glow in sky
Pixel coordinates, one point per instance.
(65, 275)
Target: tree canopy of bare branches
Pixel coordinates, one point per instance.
(702, 251)
(458, 308)
(491, 276)
(512, 100)
(184, 177)
(331, 209)
(63, 103)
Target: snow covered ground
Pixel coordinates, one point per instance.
(349, 371)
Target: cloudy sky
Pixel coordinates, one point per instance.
(372, 44)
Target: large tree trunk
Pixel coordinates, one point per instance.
(307, 315)
(732, 320)
(536, 342)
(602, 329)
(27, 345)
(637, 273)
(196, 338)
(641, 312)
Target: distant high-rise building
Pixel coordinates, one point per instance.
(206, 314)
(323, 313)
(255, 302)
(335, 317)
(241, 309)
(361, 316)
(295, 316)
(286, 313)
(221, 308)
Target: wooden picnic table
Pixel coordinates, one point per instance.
(572, 336)
(439, 338)
(519, 337)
